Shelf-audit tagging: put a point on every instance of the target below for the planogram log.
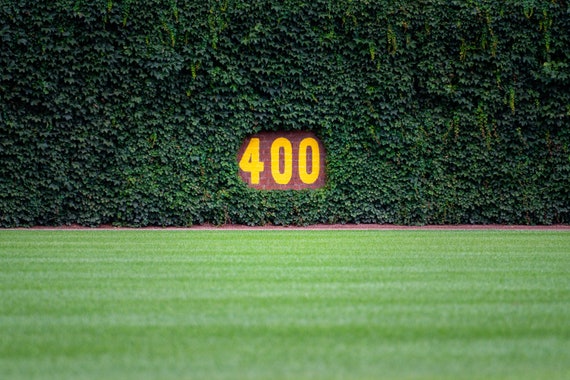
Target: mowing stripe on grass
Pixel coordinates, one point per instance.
(284, 304)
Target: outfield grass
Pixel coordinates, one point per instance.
(284, 304)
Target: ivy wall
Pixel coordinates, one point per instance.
(431, 111)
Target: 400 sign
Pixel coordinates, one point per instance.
(282, 160)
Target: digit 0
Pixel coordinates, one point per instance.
(306, 177)
(281, 177)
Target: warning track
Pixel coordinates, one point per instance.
(380, 227)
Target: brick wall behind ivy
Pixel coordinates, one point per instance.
(132, 112)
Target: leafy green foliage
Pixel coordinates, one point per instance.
(430, 111)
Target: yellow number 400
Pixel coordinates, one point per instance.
(251, 163)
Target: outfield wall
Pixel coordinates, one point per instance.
(425, 112)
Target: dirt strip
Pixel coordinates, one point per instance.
(380, 227)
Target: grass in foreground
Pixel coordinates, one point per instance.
(284, 305)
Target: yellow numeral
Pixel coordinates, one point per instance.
(250, 162)
(306, 143)
(281, 177)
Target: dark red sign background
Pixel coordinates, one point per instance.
(266, 180)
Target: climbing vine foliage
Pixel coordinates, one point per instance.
(132, 112)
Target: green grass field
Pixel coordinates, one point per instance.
(140, 304)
